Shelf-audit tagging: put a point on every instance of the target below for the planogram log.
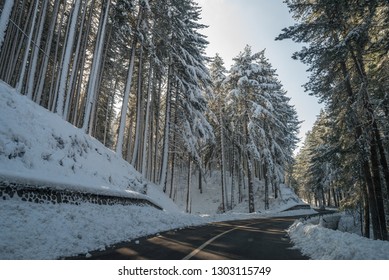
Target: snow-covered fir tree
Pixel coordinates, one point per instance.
(262, 119)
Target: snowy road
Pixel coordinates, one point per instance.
(261, 239)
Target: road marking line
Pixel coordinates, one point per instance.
(194, 252)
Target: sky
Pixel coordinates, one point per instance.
(232, 24)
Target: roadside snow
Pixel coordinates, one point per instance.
(321, 243)
(48, 231)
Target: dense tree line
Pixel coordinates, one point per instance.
(133, 74)
(257, 125)
(346, 153)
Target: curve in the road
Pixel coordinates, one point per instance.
(194, 252)
(259, 239)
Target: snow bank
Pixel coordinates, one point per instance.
(322, 243)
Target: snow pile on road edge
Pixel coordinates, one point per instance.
(322, 243)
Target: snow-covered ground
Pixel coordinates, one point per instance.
(38, 147)
(321, 243)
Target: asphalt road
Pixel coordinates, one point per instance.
(259, 239)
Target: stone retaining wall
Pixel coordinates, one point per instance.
(40, 194)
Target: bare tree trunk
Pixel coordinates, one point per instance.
(21, 28)
(149, 100)
(80, 99)
(139, 114)
(165, 152)
(233, 177)
(110, 108)
(35, 52)
(222, 160)
(156, 115)
(119, 145)
(76, 64)
(20, 84)
(4, 19)
(240, 178)
(200, 181)
(58, 67)
(45, 63)
(188, 198)
(249, 166)
(93, 78)
(383, 160)
(366, 213)
(67, 59)
(8, 34)
(383, 233)
(266, 175)
(174, 145)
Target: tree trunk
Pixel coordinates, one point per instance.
(4, 19)
(165, 152)
(21, 29)
(80, 100)
(45, 63)
(56, 64)
(266, 175)
(336, 203)
(93, 77)
(222, 161)
(139, 113)
(188, 198)
(156, 141)
(233, 178)
(20, 84)
(67, 59)
(119, 145)
(366, 213)
(377, 192)
(200, 181)
(35, 52)
(174, 145)
(250, 184)
(76, 65)
(249, 168)
(383, 160)
(240, 178)
(149, 100)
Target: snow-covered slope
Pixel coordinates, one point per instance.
(209, 200)
(38, 147)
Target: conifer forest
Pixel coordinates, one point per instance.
(134, 74)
